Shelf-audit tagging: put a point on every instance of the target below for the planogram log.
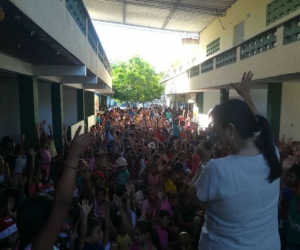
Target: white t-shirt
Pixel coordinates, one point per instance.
(241, 205)
(20, 164)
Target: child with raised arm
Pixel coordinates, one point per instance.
(43, 146)
(91, 234)
(40, 218)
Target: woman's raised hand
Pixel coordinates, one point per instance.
(243, 88)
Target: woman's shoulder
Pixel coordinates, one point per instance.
(231, 159)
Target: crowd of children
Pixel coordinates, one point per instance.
(123, 184)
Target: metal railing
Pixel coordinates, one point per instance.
(80, 15)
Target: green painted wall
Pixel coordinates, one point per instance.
(89, 101)
(199, 101)
(80, 105)
(274, 107)
(57, 113)
(103, 100)
(29, 108)
(224, 95)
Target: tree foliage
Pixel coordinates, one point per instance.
(136, 81)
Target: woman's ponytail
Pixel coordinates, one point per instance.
(265, 143)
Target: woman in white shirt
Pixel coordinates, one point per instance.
(240, 192)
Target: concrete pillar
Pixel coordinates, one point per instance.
(57, 114)
(103, 100)
(274, 107)
(80, 105)
(89, 101)
(224, 95)
(199, 101)
(29, 107)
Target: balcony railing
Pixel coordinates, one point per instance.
(291, 31)
(259, 44)
(254, 46)
(213, 47)
(207, 66)
(278, 9)
(226, 58)
(82, 19)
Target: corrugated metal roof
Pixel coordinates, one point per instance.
(178, 15)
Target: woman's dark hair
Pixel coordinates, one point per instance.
(246, 123)
(92, 223)
(33, 214)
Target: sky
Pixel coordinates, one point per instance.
(159, 48)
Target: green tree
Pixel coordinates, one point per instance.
(136, 81)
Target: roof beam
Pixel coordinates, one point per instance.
(167, 6)
(169, 17)
(185, 32)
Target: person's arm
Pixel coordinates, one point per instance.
(51, 132)
(125, 221)
(87, 187)
(85, 209)
(23, 138)
(107, 224)
(10, 207)
(30, 176)
(286, 165)
(158, 207)
(38, 136)
(73, 236)
(48, 234)
(23, 183)
(67, 144)
(244, 88)
(160, 168)
(205, 156)
(8, 179)
(163, 145)
(128, 208)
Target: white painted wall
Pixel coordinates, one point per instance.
(45, 108)
(90, 121)
(70, 105)
(210, 100)
(259, 97)
(74, 128)
(9, 108)
(290, 104)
